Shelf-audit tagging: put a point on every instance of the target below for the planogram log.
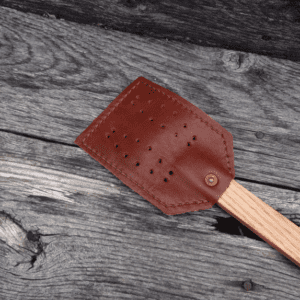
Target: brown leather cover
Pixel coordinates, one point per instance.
(162, 147)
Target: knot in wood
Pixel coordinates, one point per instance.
(33, 237)
(237, 62)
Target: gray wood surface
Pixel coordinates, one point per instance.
(270, 27)
(71, 230)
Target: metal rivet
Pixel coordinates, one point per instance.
(247, 285)
(211, 179)
(259, 134)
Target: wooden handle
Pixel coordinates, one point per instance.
(263, 220)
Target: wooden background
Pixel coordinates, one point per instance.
(69, 229)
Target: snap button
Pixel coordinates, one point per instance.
(211, 179)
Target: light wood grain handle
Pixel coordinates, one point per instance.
(263, 220)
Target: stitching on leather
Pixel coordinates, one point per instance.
(180, 204)
(224, 141)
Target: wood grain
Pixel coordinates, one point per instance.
(57, 77)
(263, 220)
(270, 27)
(71, 230)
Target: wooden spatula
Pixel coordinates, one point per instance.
(178, 158)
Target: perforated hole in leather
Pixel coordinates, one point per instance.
(166, 119)
(162, 126)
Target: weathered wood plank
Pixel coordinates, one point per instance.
(264, 27)
(56, 77)
(71, 229)
(83, 234)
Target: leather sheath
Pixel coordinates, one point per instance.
(163, 147)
